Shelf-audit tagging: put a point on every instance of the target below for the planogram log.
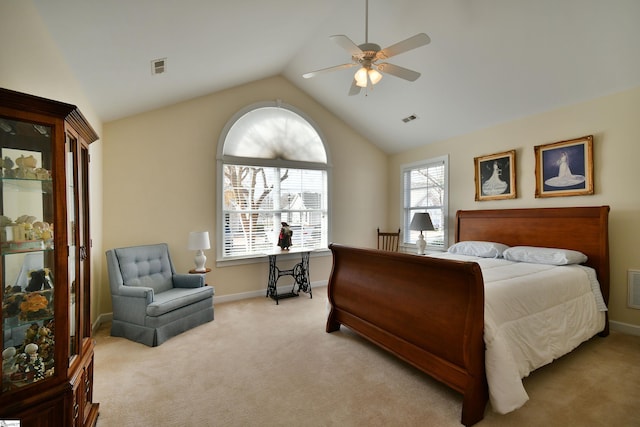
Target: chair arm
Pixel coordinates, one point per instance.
(188, 280)
(137, 292)
(130, 304)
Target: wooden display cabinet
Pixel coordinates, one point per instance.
(47, 349)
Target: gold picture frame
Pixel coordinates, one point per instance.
(565, 168)
(495, 176)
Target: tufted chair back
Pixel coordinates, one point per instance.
(147, 265)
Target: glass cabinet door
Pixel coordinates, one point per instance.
(70, 149)
(27, 252)
(84, 240)
(77, 241)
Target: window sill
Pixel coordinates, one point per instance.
(255, 259)
(429, 249)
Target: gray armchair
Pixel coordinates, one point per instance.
(151, 303)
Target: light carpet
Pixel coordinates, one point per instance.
(262, 364)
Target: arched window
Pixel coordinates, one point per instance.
(272, 168)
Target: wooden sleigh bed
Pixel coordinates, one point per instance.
(430, 311)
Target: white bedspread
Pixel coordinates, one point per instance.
(534, 313)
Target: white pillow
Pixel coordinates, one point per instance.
(537, 255)
(478, 248)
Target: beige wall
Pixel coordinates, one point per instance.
(160, 182)
(612, 120)
(32, 63)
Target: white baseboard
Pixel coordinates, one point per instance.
(106, 317)
(103, 318)
(625, 328)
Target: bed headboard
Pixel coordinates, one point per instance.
(585, 229)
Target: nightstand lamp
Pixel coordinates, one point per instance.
(199, 241)
(421, 221)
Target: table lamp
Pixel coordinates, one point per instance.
(421, 221)
(199, 241)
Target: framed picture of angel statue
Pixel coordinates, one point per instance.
(495, 176)
(565, 168)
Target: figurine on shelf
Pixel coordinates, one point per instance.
(43, 231)
(284, 239)
(26, 162)
(30, 364)
(11, 301)
(45, 346)
(7, 165)
(35, 306)
(22, 230)
(43, 174)
(5, 220)
(6, 229)
(39, 280)
(26, 167)
(9, 362)
(26, 219)
(35, 364)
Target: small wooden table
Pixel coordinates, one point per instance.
(207, 270)
(300, 273)
(194, 271)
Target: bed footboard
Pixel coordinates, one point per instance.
(426, 311)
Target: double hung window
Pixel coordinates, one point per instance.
(425, 189)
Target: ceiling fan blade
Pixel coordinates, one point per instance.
(395, 70)
(418, 40)
(347, 44)
(355, 89)
(326, 70)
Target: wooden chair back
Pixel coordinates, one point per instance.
(388, 241)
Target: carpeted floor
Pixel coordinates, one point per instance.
(262, 364)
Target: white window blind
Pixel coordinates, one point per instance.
(425, 187)
(256, 201)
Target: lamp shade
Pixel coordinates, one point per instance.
(374, 76)
(361, 77)
(198, 240)
(421, 221)
(365, 75)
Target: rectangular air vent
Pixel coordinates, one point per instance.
(159, 66)
(634, 289)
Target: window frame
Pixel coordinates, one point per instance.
(406, 243)
(222, 159)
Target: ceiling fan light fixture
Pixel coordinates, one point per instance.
(374, 75)
(361, 77)
(365, 75)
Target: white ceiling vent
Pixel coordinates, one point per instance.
(159, 66)
(410, 118)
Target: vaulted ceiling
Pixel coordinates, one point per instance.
(489, 61)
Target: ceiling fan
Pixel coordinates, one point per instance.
(368, 55)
